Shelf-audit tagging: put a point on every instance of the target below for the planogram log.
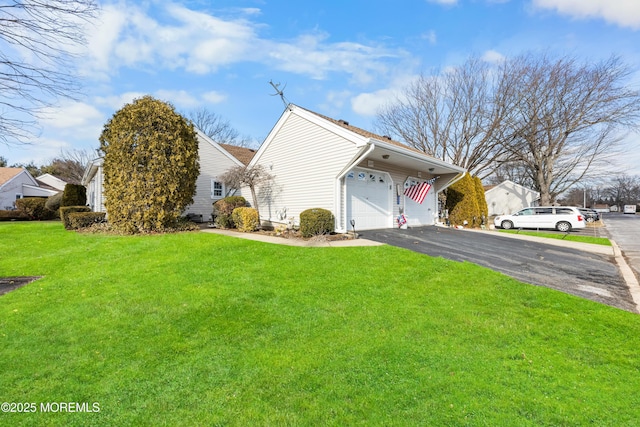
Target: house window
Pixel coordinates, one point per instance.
(217, 189)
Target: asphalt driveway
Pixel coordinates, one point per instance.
(589, 275)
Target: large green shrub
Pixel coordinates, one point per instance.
(482, 201)
(246, 219)
(54, 203)
(34, 208)
(74, 195)
(78, 220)
(66, 210)
(223, 210)
(462, 202)
(150, 166)
(15, 215)
(316, 221)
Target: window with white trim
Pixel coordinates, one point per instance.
(217, 189)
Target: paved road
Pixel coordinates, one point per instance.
(588, 275)
(625, 230)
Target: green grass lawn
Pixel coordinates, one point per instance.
(563, 236)
(201, 329)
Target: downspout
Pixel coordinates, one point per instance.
(357, 159)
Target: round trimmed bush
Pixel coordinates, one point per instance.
(246, 219)
(316, 221)
(223, 209)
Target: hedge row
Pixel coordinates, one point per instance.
(34, 208)
(78, 220)
(66, 210)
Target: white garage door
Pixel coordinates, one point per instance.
(420, 214)
(369, 199)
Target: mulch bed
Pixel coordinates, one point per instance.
(8, 284)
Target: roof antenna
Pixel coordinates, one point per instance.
(280, 92)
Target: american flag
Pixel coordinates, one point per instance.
(418, 192)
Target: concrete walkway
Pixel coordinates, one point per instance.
(315, 242)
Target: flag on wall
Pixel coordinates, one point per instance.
(418, 192)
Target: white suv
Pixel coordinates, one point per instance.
(562, 218)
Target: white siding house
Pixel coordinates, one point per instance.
(93, 180)
(214, 159)
(16, 183)
(319, 162)
(509, 197)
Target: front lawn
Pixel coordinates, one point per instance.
(201, 329)
(562, 236)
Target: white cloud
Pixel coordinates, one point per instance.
(178, 98)
(430, 36)
(214, 97)
(368, 104)
(116, 102)
(201, 43)
(492, 56)
(625, 13)
(70, 115)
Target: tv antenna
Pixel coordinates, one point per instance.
(280, 92)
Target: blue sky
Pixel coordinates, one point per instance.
(339, 58)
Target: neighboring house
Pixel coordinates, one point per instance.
(215, 159)
(319, 162)
(16, 183)
(508, 197)
(93, 180)
(49, 181)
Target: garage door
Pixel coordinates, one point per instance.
(419, 214)
(369, 199)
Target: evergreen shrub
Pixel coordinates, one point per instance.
(14, 215)
(78, 220)
(246, 219)
(74, 195)
(316, 221)
(54, 202)
(462, 202)
(223, 210)
(66, 210)
(34, 208)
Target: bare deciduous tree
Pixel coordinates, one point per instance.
(38, 42)
(217, 128)
(69, 165)
(454, 116)
(623, 189)
(565, 117)
(245, 176)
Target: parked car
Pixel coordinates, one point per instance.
(590, 215)
(630, 209)
(561, 218)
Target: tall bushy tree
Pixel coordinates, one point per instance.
(150, 165)
(74, 195)
(482, 201)
(462, 202)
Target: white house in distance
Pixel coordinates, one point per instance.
(16, 183)
(214, 158)
(509, 197)
(319, 162)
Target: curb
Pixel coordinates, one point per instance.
(627, 275)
